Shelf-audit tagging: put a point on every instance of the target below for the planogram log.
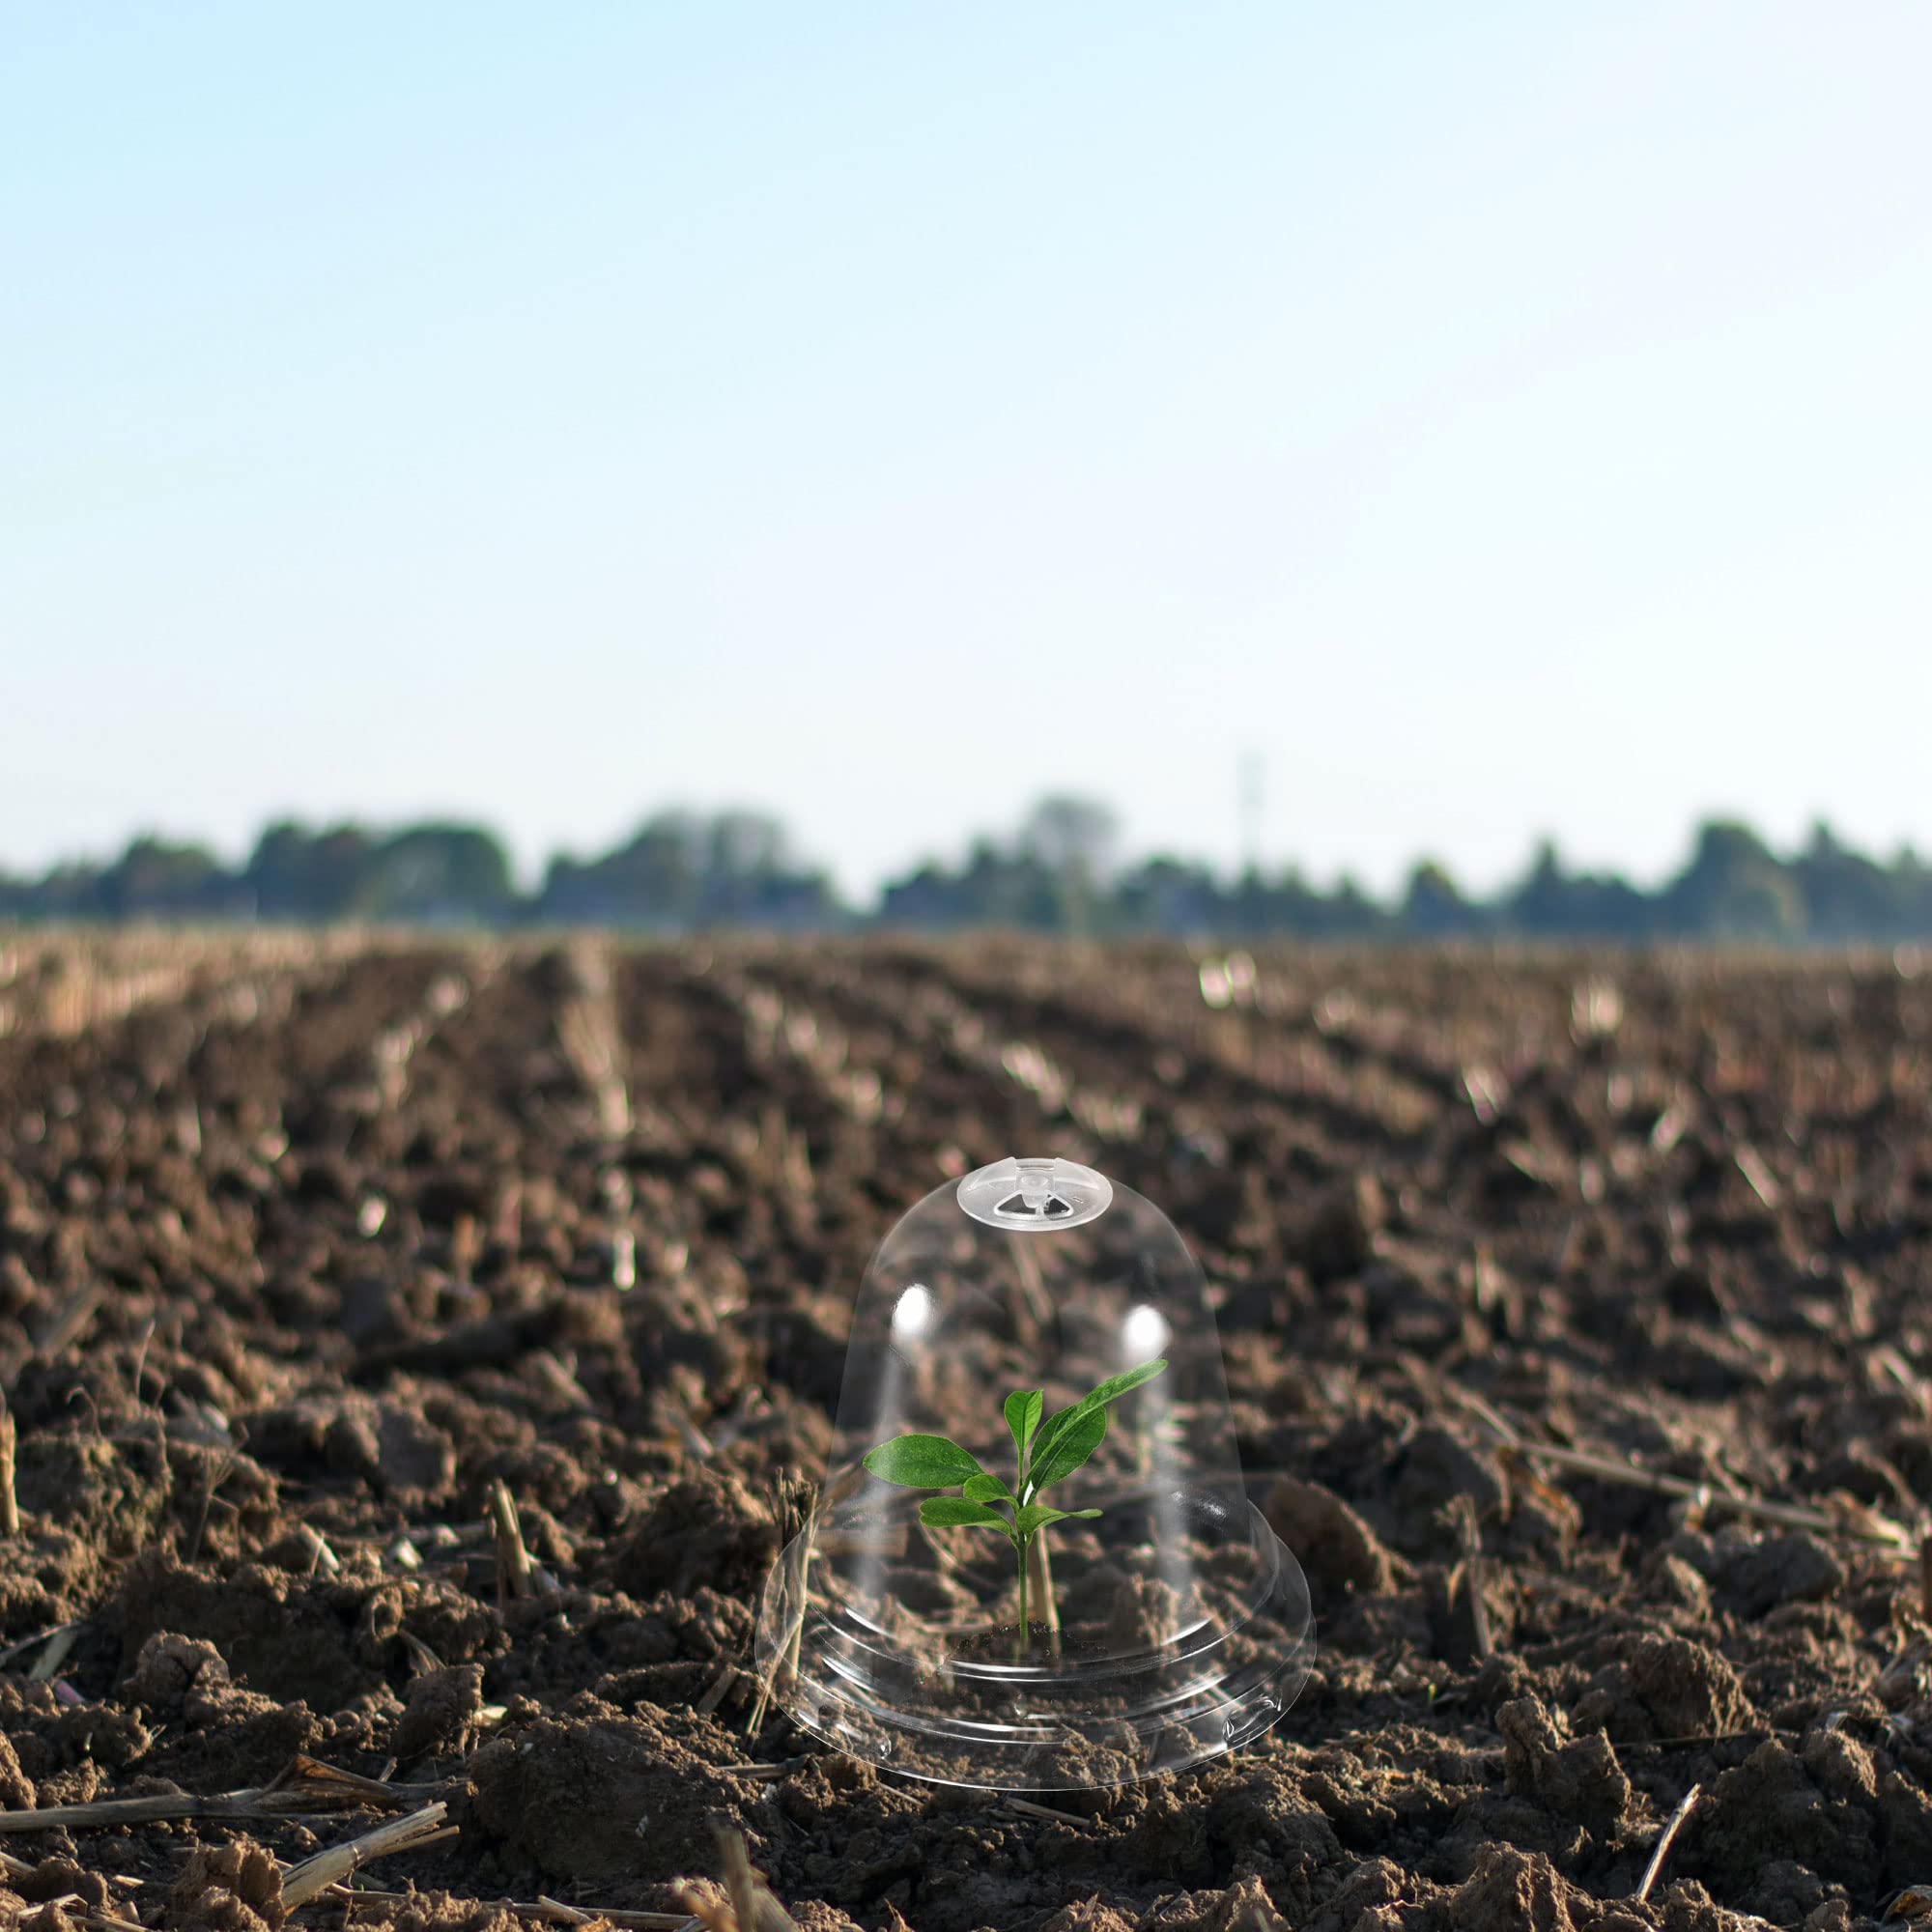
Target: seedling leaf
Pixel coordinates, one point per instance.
(1037, 1515)
(1023, 1411)
(921, 1462)
(988, 1488)
(1098, 1398)
(1070, 1446)
(1115, 1386)
(958, 1512)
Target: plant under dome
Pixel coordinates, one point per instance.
(1142, 1616)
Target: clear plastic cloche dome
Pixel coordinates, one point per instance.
(1032, 1565)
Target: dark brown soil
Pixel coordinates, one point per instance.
(305, 1248)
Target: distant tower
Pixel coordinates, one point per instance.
(1252, 790)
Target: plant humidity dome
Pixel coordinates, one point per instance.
(1034, 1564)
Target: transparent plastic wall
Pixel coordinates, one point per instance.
(1170, 1626)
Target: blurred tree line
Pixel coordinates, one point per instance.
(1060, 872)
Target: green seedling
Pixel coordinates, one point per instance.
(1049, 1451)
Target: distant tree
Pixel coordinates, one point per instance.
(1071, 836)
(1733, 888)
(1543, 903)
(1053, 879)
(749, 878)
(936, 898)
(1845, 894)
(1911, 881)
(306, 876)
(926, 899)
(653, 882)
(680, 872)
(1552, 904)
(746, 846)
(438, 875)
(1064, 859)
(154, 879)
(1164, 894)
(1350, 913)
(1295, 907)
(71, 891)
(1433, 906)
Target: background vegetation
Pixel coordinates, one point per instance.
(1059, 872)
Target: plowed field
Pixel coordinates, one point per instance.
(1576, 1311)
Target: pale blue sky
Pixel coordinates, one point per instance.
(1499, 418)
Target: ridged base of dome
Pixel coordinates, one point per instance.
(1070, 1722)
